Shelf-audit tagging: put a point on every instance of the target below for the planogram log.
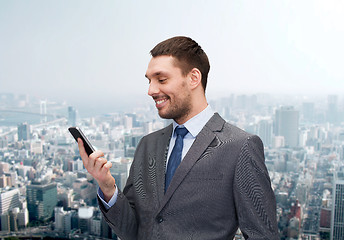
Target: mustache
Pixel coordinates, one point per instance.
(160, 96)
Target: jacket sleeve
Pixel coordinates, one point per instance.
(254, 198)
(122, 217)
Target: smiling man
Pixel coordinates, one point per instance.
(199, 178)
(177, 96)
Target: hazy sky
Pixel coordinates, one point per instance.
(98, 51)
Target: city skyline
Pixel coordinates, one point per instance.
(301, 172)
(97, 53)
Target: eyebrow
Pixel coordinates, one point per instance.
(155, 74)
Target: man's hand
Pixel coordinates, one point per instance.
(99, 168)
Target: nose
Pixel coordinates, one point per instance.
(153, 88)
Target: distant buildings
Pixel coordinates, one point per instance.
(72, 115)
(41, 200)
(9, 200)
(85, 220)
(13, 212)
(265, 131)
(304, 145)
(24, 132)
(337, 218)
(287, 125)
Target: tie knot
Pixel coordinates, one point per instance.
(181, 131)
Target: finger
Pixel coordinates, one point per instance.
(82, 150)
(95, 155)
(106, 168)
(107, 165)
(99, 163)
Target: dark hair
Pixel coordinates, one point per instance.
(188, 55)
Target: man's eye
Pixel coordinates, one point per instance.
(162, 80)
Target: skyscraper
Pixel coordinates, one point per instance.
(23, 132)
(265, 132)
(287, 125)
(72, 114)
(41, 200)
(337, 218)
(9, 200)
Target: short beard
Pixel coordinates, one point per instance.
(180, 111)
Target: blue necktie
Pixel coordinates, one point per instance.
(176, 155)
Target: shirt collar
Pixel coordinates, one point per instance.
(195, 124)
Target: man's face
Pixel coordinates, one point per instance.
(169, 88)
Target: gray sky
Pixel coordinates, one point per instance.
(98, 51)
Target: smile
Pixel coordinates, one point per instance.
(159, 103)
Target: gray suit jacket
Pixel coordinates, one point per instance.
(221, 184)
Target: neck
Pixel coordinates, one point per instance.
(196, 108)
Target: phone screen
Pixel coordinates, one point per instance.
(77, 133)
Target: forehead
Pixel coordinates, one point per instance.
(161, 65)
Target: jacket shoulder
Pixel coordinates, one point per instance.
(163, 131)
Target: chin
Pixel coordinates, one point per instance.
(164, 115)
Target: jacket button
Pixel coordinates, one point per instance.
(159, 219)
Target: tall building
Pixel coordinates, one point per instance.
(63, 220)
(41, 200)
(85, 215)
(72, 115)
(287, 125)
(24, 132)
(337, 217)
(265, 132)
(4, 167)
(9, 200)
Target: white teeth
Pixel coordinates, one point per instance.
(160, 101)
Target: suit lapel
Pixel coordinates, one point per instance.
(201, 143)
(161, 156)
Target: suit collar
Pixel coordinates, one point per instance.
(196, 123)
(216, 123)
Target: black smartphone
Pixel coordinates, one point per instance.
(77, 133)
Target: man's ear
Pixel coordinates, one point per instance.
(195, 78)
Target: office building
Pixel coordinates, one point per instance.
(265, 128)
(23, 218)
(287, 125)
(24, 132)
(63, 220)
(14, 219)
(72, 115)
(4, 167)
(9, 199)
(337, 214)
(96, 222)
(41, 200)
(85, 215)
